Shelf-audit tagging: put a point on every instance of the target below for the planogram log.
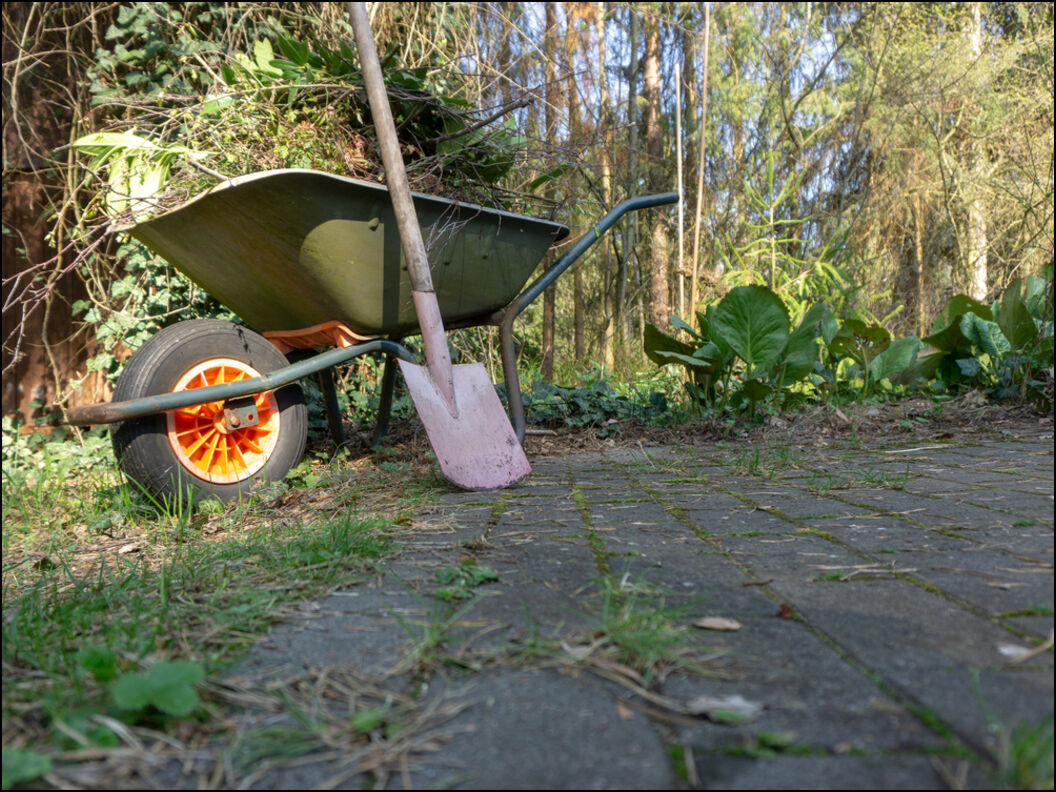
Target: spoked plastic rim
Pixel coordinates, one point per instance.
(203, 443)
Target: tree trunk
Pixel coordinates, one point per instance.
(573, 131)
(659, 304)
(546, 365)
(629, 223)
(701, 148)
(918, 262)
(611, 309)
(977, 233)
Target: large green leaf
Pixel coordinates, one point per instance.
(859, 341)
(898, 357)
(656, 340)
(755, 391)
(986, 335)
(801, 349)
(263, 55)
(923, 368)
(132, 691)
(706, 320)
(1036, 294)
(699, 364)
(296, 51)
(956, 307)
(946, 332)
(754, 322)
(1014, 319)
(21, 765)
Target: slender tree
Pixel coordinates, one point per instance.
(659, 298)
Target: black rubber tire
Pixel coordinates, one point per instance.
(142, 446)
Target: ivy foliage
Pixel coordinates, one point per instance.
(194, 93)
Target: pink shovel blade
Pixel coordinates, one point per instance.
(477, 449)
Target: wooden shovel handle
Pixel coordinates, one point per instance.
(395, 175)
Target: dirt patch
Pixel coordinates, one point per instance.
(907, 420)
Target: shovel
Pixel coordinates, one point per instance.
(463, 417)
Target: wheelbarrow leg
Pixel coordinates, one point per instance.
(388, 385)
(509, 373)
(333, 411)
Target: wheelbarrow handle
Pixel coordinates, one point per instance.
(540, 284)
(505, 318)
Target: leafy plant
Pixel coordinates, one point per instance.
(597, 404)
(1025, 754)
(137, 169)
(456, 582)
(642, 628)
(167, 686)
(22, 765)
(750, 324)
(147, 295)
(875, 355)
(1007, 348)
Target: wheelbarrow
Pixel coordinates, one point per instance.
(307, 260)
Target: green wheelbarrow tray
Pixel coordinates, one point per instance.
(291, 249)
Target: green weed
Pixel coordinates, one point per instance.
(878, 478)
(128, 635)
(1025, 754)
(647, 633)
(456, 582)
(766, 462)
(766, 745)
(830, 576)
(430, 636)
(1033, 610)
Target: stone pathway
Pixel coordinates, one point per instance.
(882, 593)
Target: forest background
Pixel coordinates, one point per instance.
(878, 158)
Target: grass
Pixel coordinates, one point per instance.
(102, 594)
(765, 462)
(206, 600)
(643, 630)
(431, 635)
(877, 478)
(1024, 757)
(1032, 610)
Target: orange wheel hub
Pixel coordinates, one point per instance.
(204, 444)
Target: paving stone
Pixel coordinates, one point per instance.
(535, 729)
(822, 772)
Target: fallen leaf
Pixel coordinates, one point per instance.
(131, 547)
(724, 709)
(1012, 650)
(717, 623)
(625, 712)
(581, 652)
(1037, 650)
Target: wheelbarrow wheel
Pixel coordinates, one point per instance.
(184, 456)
